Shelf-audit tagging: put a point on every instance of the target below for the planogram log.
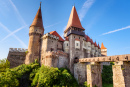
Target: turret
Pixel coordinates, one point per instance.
(88, 43)
(96, 49)
(35, 32)
(103, 50)
(92, 48)
(99, 51)
(66, 45)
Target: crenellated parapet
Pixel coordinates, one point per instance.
(50, 36)
(17, 50)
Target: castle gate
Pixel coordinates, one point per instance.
(121, 70)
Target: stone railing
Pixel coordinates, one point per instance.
(107, 58)
(50, 36)
(17, 50)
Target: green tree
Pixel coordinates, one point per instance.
(4, 64)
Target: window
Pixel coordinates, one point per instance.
(67, 44)
(74, 36)
(77, 44)
(79, 37)
(52, 49)
(52, 41)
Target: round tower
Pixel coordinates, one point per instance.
(35, 32)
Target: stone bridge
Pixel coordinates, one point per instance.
(121, 70)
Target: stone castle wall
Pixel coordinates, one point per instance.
(16, 56)
(55, 59)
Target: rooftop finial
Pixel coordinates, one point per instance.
(40, 4)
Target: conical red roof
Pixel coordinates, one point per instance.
(102, 46)
(88, 39)
(37, 22)
(56, 34)
(98, 46)
(95, 44)
(91, 41)
(74, 20)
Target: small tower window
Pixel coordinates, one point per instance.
(77, 44)
(67, 44)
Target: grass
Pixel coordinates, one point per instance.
(107, 85)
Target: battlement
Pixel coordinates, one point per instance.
(50, 36)
(17, 50)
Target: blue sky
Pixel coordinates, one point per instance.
(106, 21)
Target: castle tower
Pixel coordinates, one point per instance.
(35, 32)
(103, 50)
(99, 51)
(75, 34)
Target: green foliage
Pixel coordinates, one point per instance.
(4, 64)
(37, 76)
(107, 74)
(11, 76)
(50, 76)
(86, 84)
(107, 85)
(26, 52)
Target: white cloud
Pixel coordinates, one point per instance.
(127, 27)
(11, 33)
(17, 12)
(85, 8)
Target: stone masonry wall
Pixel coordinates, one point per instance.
(80, 72)
(16, 56)
(55, 59)
(121, 74)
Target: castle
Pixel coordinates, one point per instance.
(52, 50)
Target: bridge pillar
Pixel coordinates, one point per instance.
(121, 74)
(94, 74)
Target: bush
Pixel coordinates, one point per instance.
(50, 76)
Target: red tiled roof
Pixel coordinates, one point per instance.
(38, 19)
(74, 20)
(77, 39)
(98, 46)
(56, 34)
(91, 41)
(95, 44)
(102, 46)
(88, 39)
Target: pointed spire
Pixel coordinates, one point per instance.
(98, 46)
(74, 20)
(102, 46)
(95, 44)
(37, 22)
